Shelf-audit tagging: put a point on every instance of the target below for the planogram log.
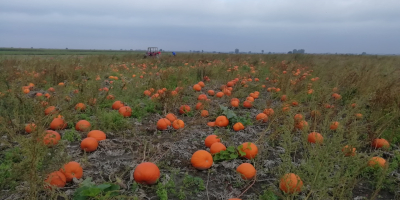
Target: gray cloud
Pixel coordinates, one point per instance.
(346, 26)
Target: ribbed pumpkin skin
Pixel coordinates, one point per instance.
(201, 160)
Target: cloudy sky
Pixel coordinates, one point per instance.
(318, 26)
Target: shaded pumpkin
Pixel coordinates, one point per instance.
(376, 162)
(58, 124)
(380, 143)
(290, 183)
(80, 107)
(204, 113)
(171, 117)
(51, 138)
(55, 179)
(262, 117)
(349, 151)
(315, 137)
(50, 110)
(238, 126)
(30, 127)
(184, 109)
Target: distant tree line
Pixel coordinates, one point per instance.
(297, 51)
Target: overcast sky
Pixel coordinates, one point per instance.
(318, 26)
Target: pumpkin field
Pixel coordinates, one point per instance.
(200, 126)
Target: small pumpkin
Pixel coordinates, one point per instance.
(247, 104)
(89, 144)
(204, 113)
(117, 105)
(334, 125)
(163, 124)
(217, 147)
(171, 117)
(146, 173)
(58, 124)
(250, 149)
(221, 121)
(51, 137)
(246, 170)
(30, 127)
(211, 92)
(211, 139)
(71, 170)
(377, 162)
(349, 151)
(201, 160)
(298, 117)
(178, 124)
(97, 134)
(220, 94)
(197, 87)
(55, 179)
(80, 107)
(184, 109)
(262, 117)
(82, 125)
(290, 183)
(315, 137)
(269, 112)
(380, 143)
(125, 111)
(50, 110)
(238, 126)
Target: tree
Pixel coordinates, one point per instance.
(364, 53)
(236, 51)
(290, 52)
(262, 51)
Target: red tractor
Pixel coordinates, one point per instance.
(153, 52)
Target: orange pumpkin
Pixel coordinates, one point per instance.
(262, 117)
(315, 137)
(290, 183)
(211, 92)
(55, 179)
(51, 137)
(83, 125)
(97, 134)
(71, 170)
(221, 121)
(163, 124)
(202, 97)
(377, 162)
(201, 160)
(201, 83)
(269, 112)
(89, 144)
(125, 111)
(283, 98)
(80, 107)
(298, 117)
(178, 124)
(349, 151)
(250, 149)
(217, 147)
(146, 173)
(50, 110)
(184, 109)
(204, 113)
(199, 106)
(247, 104)
(220, 94)
(30, 127)
(117, 105)
(211, 124)
(235, 104)
(246, 170)
(211, 139)
(380, 143)
(171, 117)
(238, 126)
(334, 125)
(58, 124)
(197, 87)
(301, 125)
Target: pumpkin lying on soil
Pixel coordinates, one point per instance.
(146, 173)
(250, 149)
(89, 144)
(211, 139)
(217, 147)
(71, 170)
(201, 160)
(97, 134)
(55, 179)
(246, 170)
